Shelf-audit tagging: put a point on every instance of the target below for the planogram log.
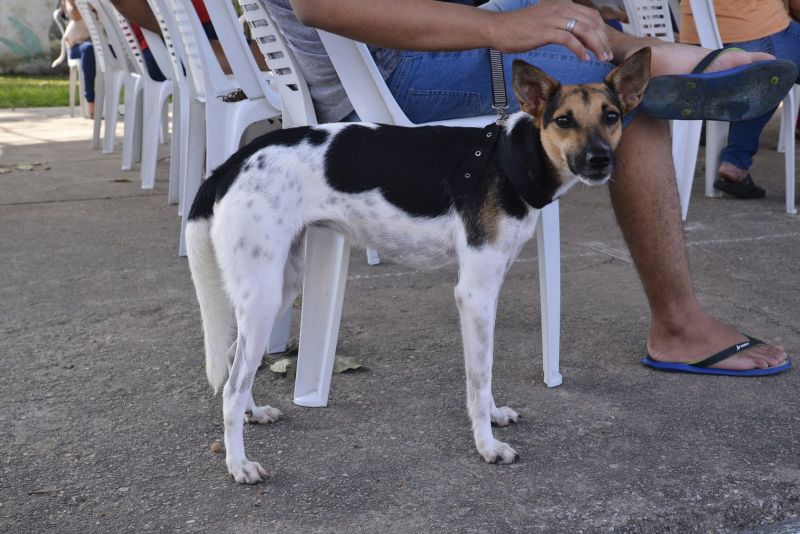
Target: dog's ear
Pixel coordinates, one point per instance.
(630, 78)
(532, 87)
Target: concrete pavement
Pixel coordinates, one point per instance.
(106, 419)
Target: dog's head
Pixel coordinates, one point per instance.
(581, 125)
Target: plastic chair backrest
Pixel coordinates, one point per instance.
(705, 20)
(650, 18)
(125, 58)
(295, 98)
(173, 45)
(362, 81)
(207, 77)
(154, 43)
(130, 40)
(105, 59)
(237, 51)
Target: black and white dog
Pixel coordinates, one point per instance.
(423, 196)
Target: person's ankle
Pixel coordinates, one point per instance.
(729, 171)
(677, 322)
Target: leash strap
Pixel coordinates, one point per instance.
(474, 163)
(499, 96)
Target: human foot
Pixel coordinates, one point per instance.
(726, 85)
(703, 336)
(675, 58)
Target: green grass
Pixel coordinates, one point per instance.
(18, 91)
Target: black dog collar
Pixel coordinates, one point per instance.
(474, 164)
(526, 182)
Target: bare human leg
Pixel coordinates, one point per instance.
(645, 200)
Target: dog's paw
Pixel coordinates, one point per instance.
(498, 452)
(504, 416)
(262, 415)
(247, 472)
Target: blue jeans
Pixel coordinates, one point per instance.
(85, 52)
(743, 136)
(432, 86)
(151, 66)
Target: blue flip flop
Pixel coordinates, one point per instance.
(703, 366)
(736, 94)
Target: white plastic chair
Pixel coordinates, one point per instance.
(120, 71)
(76, 80)
(154, 97)
(651, 18)
(373, 102)
(108, 80)
(173, 50)
(705, 21)
(224, 123)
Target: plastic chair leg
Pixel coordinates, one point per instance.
(218, 122)
(196, 141)
(716, 136)
(784, 129)
(81, 100)
(372, 257)
(685, 144)
(150, 134)
(132, 137)
(163, 132)
(113, 88)
(173, 193)
(549, 246)
(186, 110)
(789, 119)
(279, 339)
(99, 107)
(73, 81)
(327, 256)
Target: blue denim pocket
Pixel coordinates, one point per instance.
(428, 105)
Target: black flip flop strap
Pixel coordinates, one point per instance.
(730, 351)
(706, 61)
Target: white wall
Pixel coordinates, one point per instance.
(24, 35)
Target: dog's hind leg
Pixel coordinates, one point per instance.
(480, 277)
(254, 282)
(292, 284)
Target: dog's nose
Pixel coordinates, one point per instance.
(598, 159)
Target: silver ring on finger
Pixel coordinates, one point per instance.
(570, 25)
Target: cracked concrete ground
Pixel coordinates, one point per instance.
(107, 419)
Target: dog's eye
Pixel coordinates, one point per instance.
(611, 117)
(563, 121)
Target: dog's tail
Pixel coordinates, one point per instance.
(215, 308)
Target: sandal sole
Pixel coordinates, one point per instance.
(732, 95)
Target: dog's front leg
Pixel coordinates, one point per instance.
(476, 296)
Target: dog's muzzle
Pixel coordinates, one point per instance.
(594, 165)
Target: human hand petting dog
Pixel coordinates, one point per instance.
(549, 23)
